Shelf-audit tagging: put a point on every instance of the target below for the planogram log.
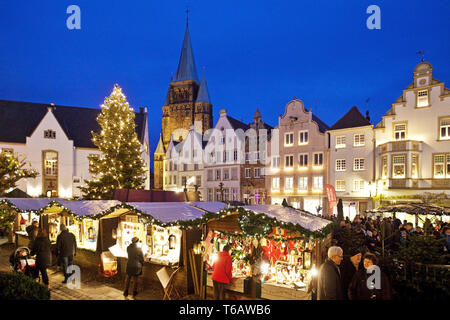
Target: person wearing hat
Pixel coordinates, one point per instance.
(349, 266)
(134, 266)
(66, 249)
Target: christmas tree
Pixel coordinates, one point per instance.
(12, 169)
(120, 165)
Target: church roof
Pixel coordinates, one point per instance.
(203, 93)
(352, 119)
(19, 119)
(186, 66)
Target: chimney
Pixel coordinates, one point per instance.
(141, 110)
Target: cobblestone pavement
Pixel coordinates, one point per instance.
(90, 289)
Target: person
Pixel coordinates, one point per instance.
(329, 285)
(446, 236)
(349, 266)
(66, 249)
(32, 232)
(134, 266)
(397, 222)
(222, 273)
(373, 241)
(42, 249)
(359, 289)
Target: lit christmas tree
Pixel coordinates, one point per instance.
(120, 166)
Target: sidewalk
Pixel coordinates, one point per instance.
(90, 288)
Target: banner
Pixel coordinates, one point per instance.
(331, 194)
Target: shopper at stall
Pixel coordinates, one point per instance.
(349, 266)
(42, 249)
(329, 286)
(66, 248)
(222, 273)
(359, 289)
(32, 232)
(134, 266)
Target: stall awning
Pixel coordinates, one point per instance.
(168, 212)
(290, 215)
(209, 206)
(88, 207)
(30, 204)
(416, 208)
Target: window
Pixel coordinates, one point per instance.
(439, 169)
(198, 181)
(448, 166)
(358, 185)
(185, 167)
(384, 167)
(318, 159)
(303, 160)
(49, 134)
(414, 167)
(398, 166)
(218, 174)
(226, 174)
(288, 139)
(195, 166)
(218, 156)
(170, 166)
(276, 162)
(174, 179)
(247, 172)
(303, 137)
(234, 173)
(289, 184)
(276, 183)
(340, 142)
(400, 132)
(210, 194)
(247, 157)
(358, 164)
(422, 98)
(340, 185)
(318, 183)
(358, 140)
(51, 163)
(210, 175)
(226, 194)
(222, 140)
(218, 195)
(257, 172)
(303, 183)
(340, 165)
(183, 181)
(289, 161)
(235, 155)
(445, 129)
(256, 156)
(175, 167)
(225, 156)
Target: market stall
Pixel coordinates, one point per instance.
(274, 249)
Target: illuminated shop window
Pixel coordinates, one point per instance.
(398, 166)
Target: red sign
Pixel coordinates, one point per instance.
(331, 194)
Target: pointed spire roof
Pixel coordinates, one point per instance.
(160, 147)
(203, 93)
(351, 119)
(167, 101)
(257, 114)
(186, 66)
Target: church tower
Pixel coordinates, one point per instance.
(187, 103)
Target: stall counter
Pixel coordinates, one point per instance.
(276, 291)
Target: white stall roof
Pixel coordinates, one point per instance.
(209, 206)
(168, 211)
(285, 214)
(88, 207)
(27, 204)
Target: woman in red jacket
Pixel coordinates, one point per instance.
(222, 273)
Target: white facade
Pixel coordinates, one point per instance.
(351, 167)
(62, 167)
(413, 141)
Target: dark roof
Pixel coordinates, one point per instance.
(186, 66)
(322, 125)
(19, 119)
(351, 119)
(236, 124)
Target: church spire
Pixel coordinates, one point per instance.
(203, 93)
(186, 66)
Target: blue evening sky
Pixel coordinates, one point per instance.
(254, 53)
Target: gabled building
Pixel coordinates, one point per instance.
(352, 162)
(56, 141)
(224, 158)
(183, 164)
(298, 167)
(187, 103)
(413, 139)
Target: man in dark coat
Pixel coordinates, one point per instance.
(42, 249)
(329, 286)
(134, 266)
(32, 232)
(349, 266)
(66, 249)
(358, 288)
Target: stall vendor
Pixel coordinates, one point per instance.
(222, 273)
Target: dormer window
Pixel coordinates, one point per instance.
(422, 98)
(49, 134)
